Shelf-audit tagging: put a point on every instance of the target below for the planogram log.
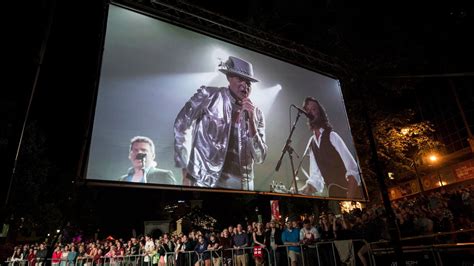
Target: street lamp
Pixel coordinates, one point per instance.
(433, 158)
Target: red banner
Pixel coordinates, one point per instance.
(464, 170)
(275, 210)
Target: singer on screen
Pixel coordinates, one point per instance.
(228, 132)
(143, 170)
(333, 172)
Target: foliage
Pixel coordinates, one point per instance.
(389, 107)
(199, 220)
(402, 141)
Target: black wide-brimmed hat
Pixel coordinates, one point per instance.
(238, 67)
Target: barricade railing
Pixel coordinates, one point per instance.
(310, 255)
(215, 256)
(17, 262)
(243, 254)
(170, 258)
(455, 254)
(444, 254)
(322, 252)
(318, 253)
(446, 237)
(183, 258)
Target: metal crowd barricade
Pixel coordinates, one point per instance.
(182, 256)
(170, 258)
(325, 253)
(215, 261)
(16, 262)
(131, 260)
(444, 254)
(246, 251)
(455, 254)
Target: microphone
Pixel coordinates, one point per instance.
(302, 111)
(246, 116)
(246, 120)
(140, 156)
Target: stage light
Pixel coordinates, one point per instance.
(57, 231)
(264, 97)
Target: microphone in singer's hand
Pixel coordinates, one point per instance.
(140, 156)
(302, 111)
(246, 119)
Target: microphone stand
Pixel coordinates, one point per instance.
(143, 168)
(290, 150)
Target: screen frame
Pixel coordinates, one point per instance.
(83, 162)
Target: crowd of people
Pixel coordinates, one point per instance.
(255, 244)
(273, 242)
(439, 211)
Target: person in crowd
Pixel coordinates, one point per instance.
(204, 256)
(226, 243)
(144, 170)
(215, 248)
(148, 249)
(184, 257)
(81, 255)
(273, 241)
(97, 260)
(92, 253)
(64, 255)
(231, 230)
(56, 257)
(333, 171)
(16, 257)
(177, 249)
(250, 230)
(25, 251)
(240, 242)
(291, 238)
(228, 132)
(110, 255)
(71, 256)
(166, 246)
(31, 257)
(41, 254)
(259, 245)
(308, 236)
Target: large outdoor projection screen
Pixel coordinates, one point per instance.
(151, 69)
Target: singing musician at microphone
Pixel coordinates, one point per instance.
(333, 171)
(228, 132)
(144, 170)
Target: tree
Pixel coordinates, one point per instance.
(402, 141)
(199, 219)
(402, 137)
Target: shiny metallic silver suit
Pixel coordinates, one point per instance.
(209, 113)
